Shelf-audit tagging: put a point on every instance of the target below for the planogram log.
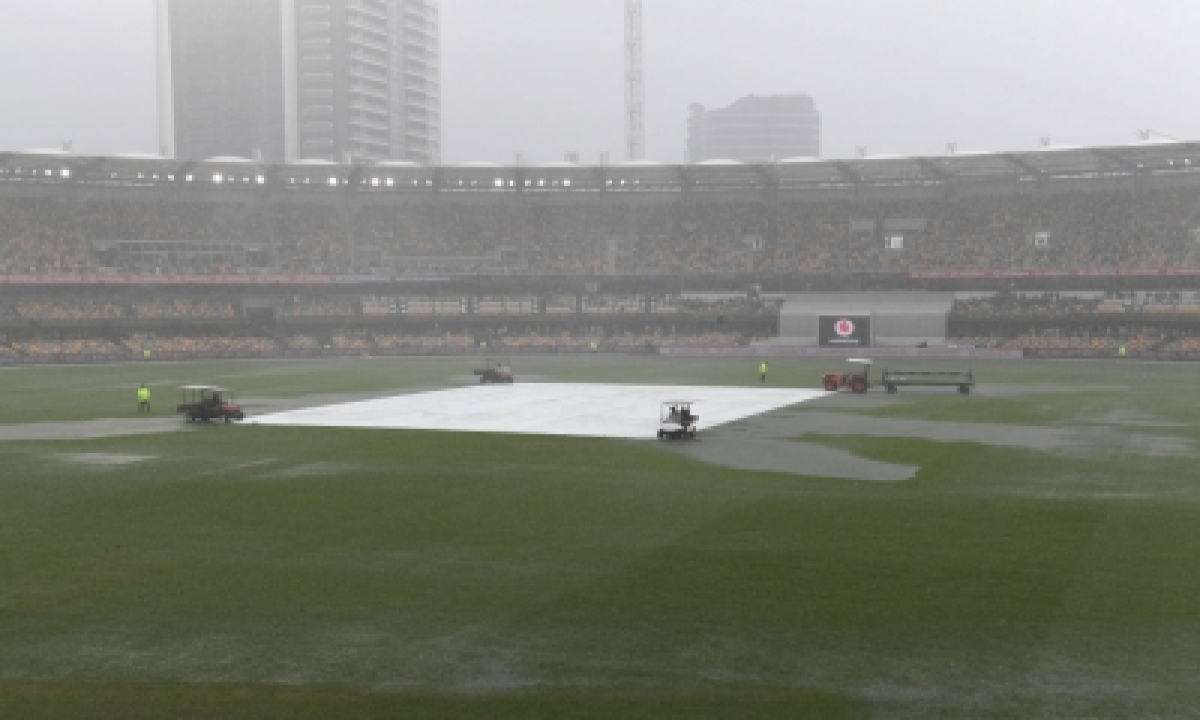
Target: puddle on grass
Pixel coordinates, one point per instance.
(316, 469)
(103, 460)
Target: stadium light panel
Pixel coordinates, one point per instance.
(218, 178)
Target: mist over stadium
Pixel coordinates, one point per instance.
(1058, 251)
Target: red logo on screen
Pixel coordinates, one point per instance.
(844, 327)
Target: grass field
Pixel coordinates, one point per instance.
(307, 573)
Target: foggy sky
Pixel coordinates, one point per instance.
(544, 77)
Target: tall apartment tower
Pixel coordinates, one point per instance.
(755, 129)
(288, 80)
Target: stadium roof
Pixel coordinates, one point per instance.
(798, 174)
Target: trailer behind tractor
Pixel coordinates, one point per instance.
(894, 379)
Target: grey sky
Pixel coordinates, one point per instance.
(545, 76)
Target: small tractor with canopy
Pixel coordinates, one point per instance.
(677, 421)
(495, 371)
(205, 403)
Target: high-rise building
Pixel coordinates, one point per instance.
(288, 80)
(755, 129)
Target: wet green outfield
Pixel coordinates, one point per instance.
(285, 572)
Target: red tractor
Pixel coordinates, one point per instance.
(856, 381)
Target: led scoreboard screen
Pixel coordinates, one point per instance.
(844, 331)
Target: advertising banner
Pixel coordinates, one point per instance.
(757, 351)
(844, 331)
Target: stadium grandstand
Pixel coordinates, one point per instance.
(1067, 251)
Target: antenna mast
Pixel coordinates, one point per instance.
(635, 88)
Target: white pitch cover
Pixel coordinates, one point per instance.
(587, 410)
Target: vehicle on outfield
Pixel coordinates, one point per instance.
(677, 420)
(495, 371)
(855, 380)
(893, 379)
(205, 403)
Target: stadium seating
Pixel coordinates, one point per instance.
(1099, 228)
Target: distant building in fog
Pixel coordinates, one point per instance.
(289, 80)
(755, 129)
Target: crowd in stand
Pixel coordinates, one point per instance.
(319, 307)
(138, 347)
(353, 305)
(39, 235)
(563, 340)
(1132, 342)
(183, 308)
(69, 310)
(148, 347)
(1078, 229)
(354, 340)
(94, 309)
(68, 348)
(361, 342)
(301, 342)
(1106, 305)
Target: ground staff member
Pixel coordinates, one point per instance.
(762, 370)
(143, 395)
